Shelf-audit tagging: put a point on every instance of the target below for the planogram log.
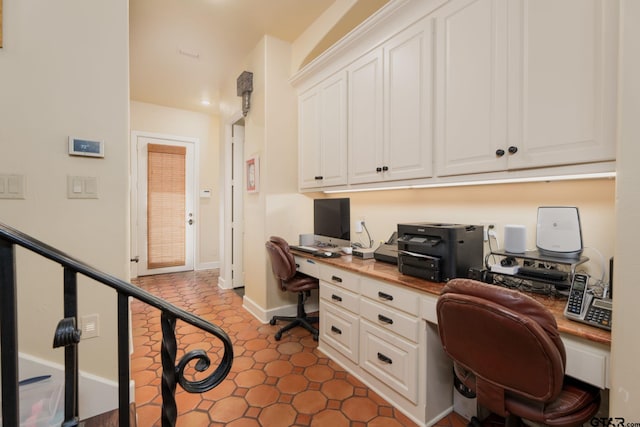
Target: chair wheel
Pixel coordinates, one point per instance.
(272, 322)
(278, 336)
(474, 422)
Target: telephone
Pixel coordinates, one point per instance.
(584, 307)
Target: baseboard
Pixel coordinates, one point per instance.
(97, 395)
(265, 316)
(208, 265)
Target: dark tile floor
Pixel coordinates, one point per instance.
(272, 383)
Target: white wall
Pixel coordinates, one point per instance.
(206, 128)
(271, 134)
(625, 391)
(64, 71)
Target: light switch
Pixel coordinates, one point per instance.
(82, 187)
(77, 185)
(91, 186)
(11, 186)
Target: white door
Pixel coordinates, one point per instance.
(164, 204)
(237, 215)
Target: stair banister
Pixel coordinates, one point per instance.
(172, 373)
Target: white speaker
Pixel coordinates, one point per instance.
(558, 232)
(515, 239)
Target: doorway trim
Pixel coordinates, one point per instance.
(225, 279)
(134, 192)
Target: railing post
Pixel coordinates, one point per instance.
(123, 360)
(9, 335)
(169, 377)
(71, 414)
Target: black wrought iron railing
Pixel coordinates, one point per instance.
(67, 336)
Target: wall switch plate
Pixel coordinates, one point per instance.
(82, 187)
(90, 326)
(11, 186)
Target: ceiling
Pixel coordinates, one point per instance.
(181, 51)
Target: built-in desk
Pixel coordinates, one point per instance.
(381, 326)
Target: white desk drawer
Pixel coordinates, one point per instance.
(307, 266)
(428, 310)
(340, 297)
(390, 319)
(393, 296)
(390, 359)
(587, 361)
(339, 329)
(339, 277)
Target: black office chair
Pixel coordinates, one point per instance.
(506, 347)
(284, 268)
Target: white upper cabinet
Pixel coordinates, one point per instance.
(390, 109)
(563, 88)
(524, 84)
(366, 150)
(323, 134)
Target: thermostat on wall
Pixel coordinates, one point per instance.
(85, 147)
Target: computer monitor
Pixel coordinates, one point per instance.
(331, 222)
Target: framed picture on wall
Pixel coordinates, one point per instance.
(253, 174)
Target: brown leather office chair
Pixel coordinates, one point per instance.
(506, 347)
(284, 268)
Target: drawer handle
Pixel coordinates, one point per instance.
(385, 296)
(336, 279)
(310, 261)
(385, 319)
(336, 297)
(337, 331)
(385, 359)
(318, 177)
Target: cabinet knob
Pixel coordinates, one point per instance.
(513, 149)
(318, 177)
(499, 152)
(378, 169)
(385, 168)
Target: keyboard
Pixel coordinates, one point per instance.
(307, 249)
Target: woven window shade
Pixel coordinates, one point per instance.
(166, 206)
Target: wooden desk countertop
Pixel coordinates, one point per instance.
(390, 273)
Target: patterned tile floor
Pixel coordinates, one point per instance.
(272, 383)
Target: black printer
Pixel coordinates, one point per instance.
(439, 252)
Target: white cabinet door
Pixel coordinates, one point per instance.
(309, 139)
(562, 93)
(365, 119)
(471, 80)
(408, 90)
(390, 109)
(525, 84)
(323, 134)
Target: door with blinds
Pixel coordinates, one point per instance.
(165, 205)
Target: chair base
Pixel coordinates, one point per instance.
(300, 320)
(294, 322)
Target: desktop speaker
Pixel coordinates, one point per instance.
(515, 239)
(558, 232)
